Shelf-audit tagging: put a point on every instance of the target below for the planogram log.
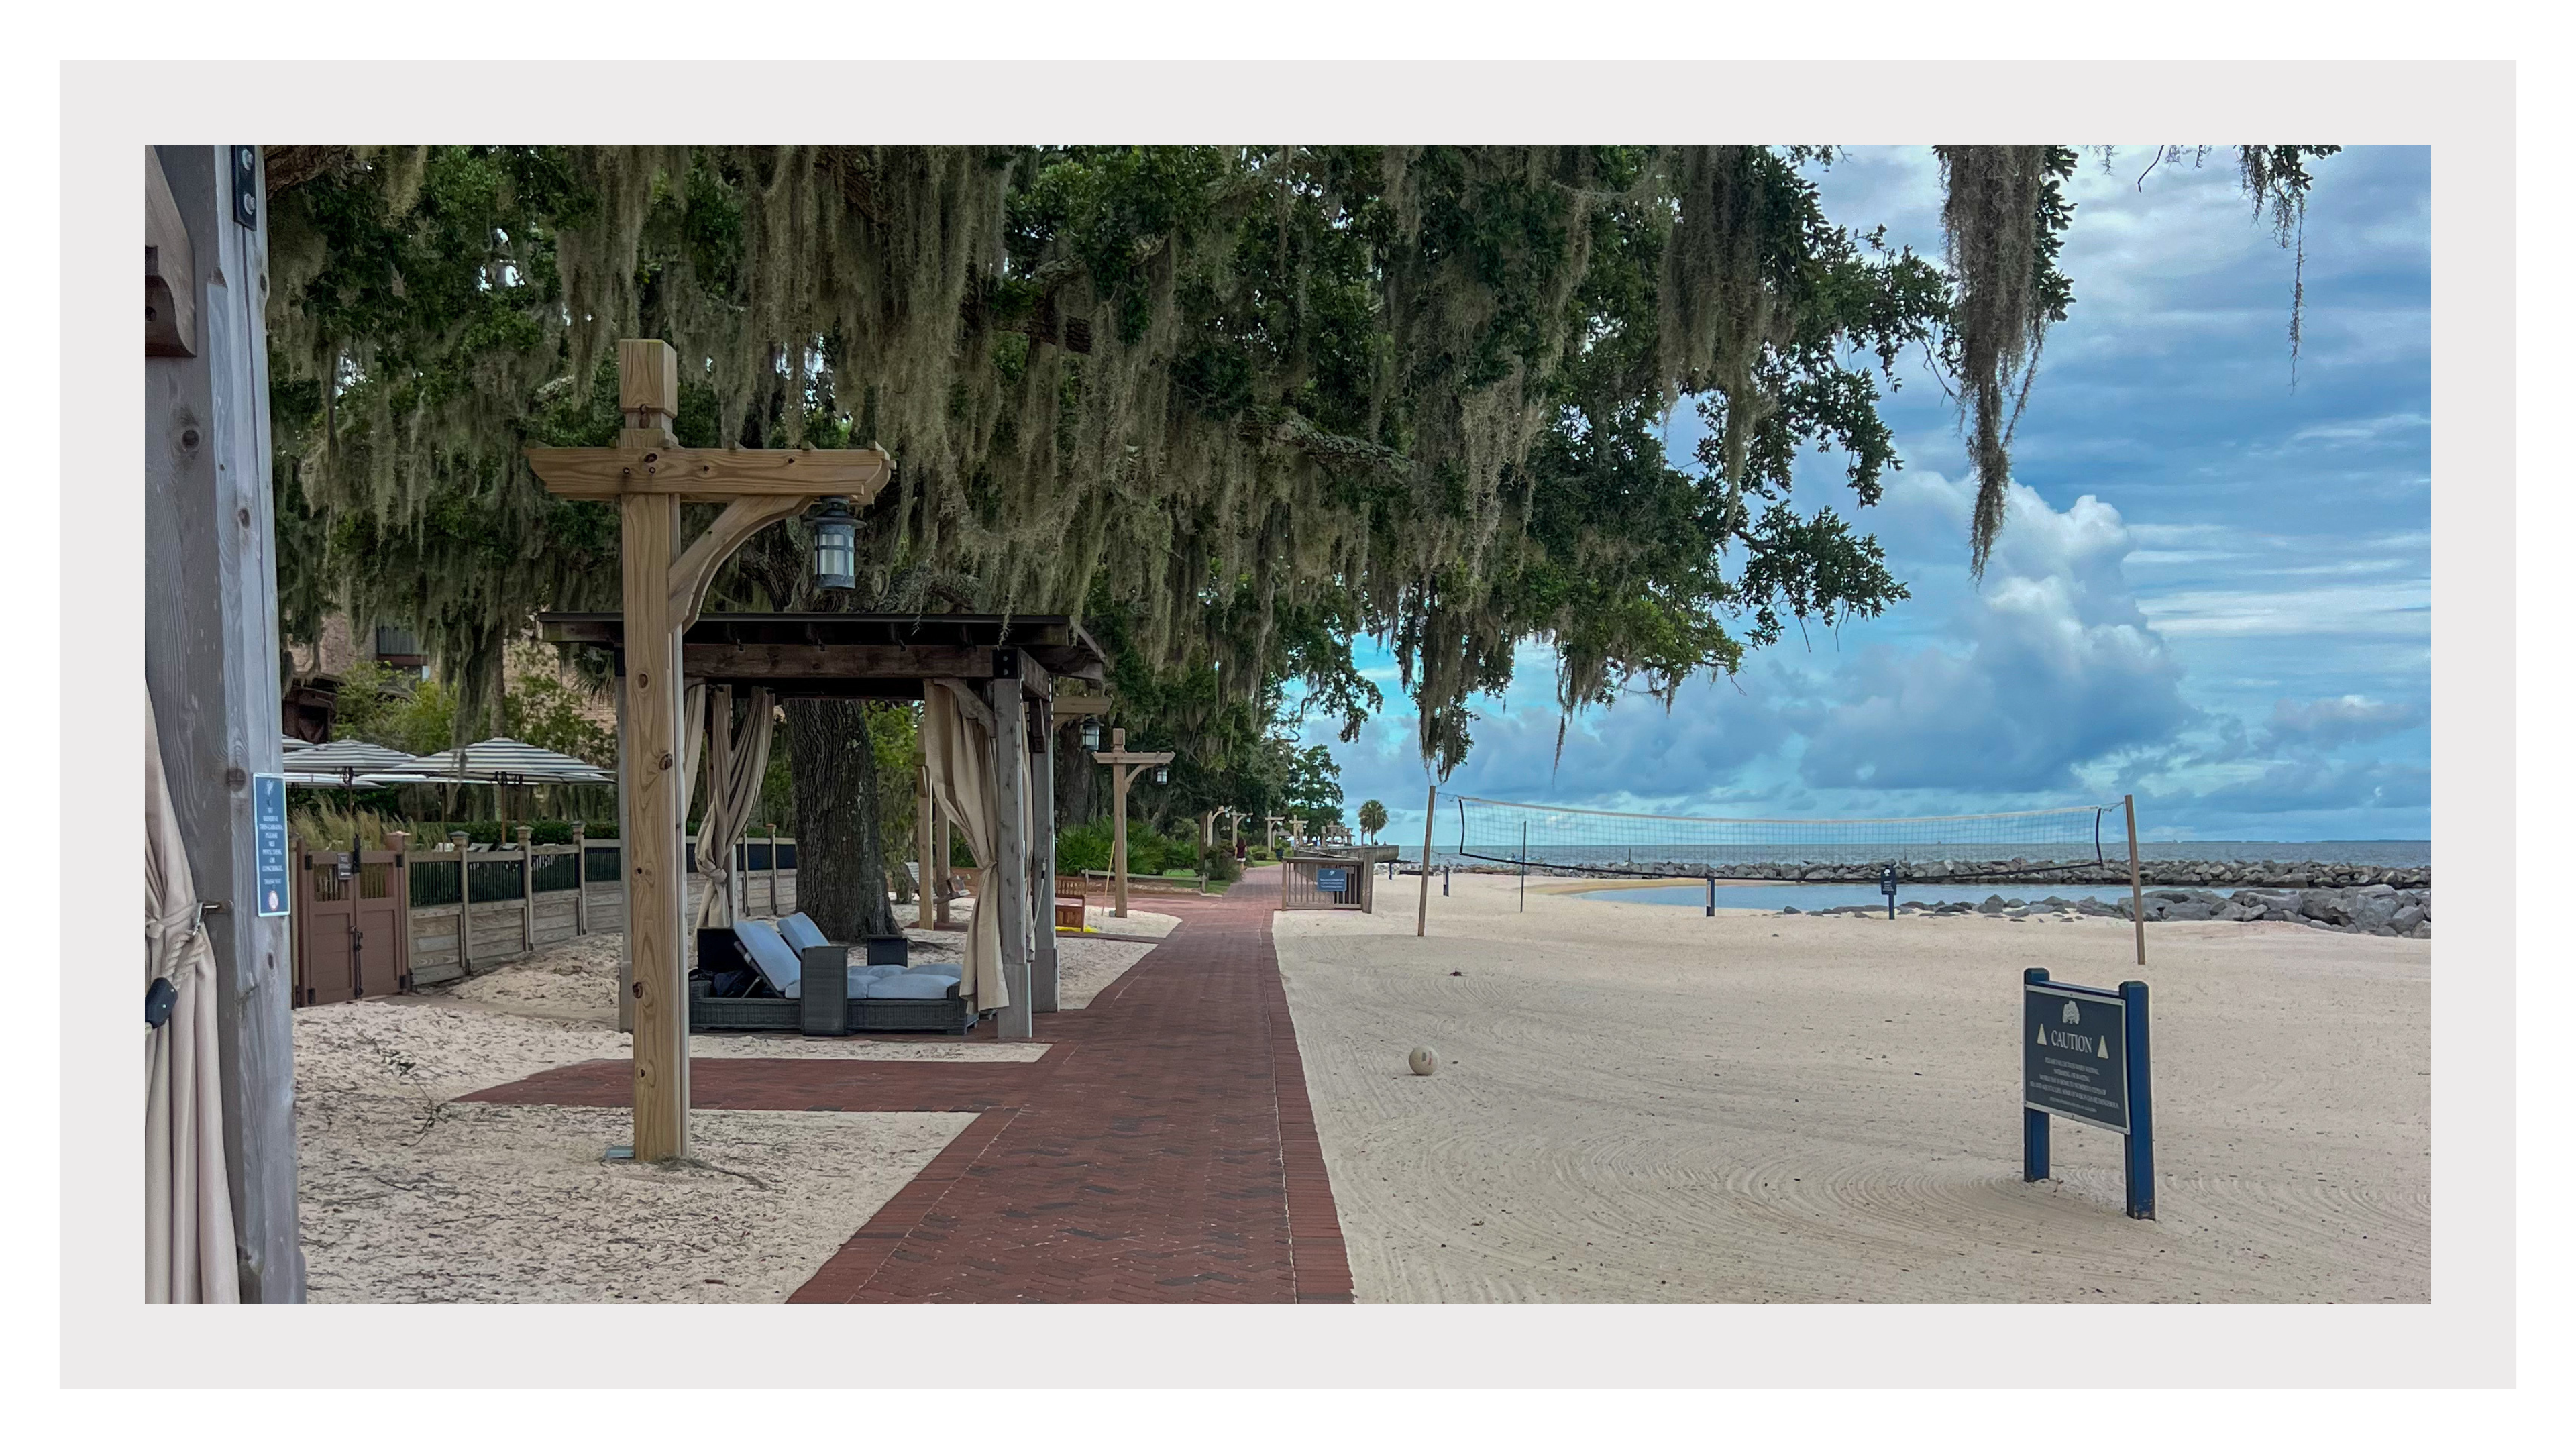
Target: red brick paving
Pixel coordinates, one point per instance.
(1163, 1152)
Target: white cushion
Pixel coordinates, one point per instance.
(770, 953)
(949, 969)
(909, 986)
(801, 932)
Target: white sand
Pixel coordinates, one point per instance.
(408, 1195)
(1637, 1103)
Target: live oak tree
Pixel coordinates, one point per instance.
(1232, 406)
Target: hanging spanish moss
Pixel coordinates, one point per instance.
(1238, 403)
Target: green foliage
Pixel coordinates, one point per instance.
(1372, 818)
(544, 711)
(393, 708)
(1232, 405)
(324, 825)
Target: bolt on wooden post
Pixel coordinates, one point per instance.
(648, 476)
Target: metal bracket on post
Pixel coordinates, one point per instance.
(245, 184)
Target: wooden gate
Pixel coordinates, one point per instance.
(352, 935)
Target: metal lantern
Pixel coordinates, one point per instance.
(836, 545)
(1162, 774)
(1091, 733)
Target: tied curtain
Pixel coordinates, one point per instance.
(735, 769)
(957, 754)
(188, 1253)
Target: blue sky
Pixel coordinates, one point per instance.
(2211, 589)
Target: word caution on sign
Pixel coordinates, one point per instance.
(2084, 1056)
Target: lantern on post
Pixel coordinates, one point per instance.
(836, 545)
(1091, 732)
(1162, 774)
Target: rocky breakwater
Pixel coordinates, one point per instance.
(2303, 874)
(2372, 910)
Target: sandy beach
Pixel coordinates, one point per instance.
(1636, 1103)
(408, 1195)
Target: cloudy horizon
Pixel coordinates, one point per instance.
(2212, 589)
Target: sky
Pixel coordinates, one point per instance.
(2213, 589)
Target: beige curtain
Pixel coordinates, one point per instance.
(957, 750)
(731, 801)
(187, 1203)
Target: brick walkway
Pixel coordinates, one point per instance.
(1163, 1151)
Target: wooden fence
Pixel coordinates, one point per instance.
(462, 910)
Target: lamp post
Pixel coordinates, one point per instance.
(647, 475)
(1123, 764)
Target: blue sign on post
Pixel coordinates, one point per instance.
(2084, 1055)
(1332, 880)
(268, 838)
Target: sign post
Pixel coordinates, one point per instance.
(2084, 1056)
(1887, 887)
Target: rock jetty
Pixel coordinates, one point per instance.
(2372, 910)
(2276, 874)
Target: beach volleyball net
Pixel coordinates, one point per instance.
(2018, 843)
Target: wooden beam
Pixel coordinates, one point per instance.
(648, 380)
(712, 475)
(696, 566)
(1079, 706)
(837, 661)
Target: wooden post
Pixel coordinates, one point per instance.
(580, 879)
(527, 889)
(1118, 830)
(1043, 975)
(773, 869)
(2137, 893)
(1008, 897)
(922, 829)
(649, 476)
(625, 894)
(456, 840)
(211, 666)
(1422, 907)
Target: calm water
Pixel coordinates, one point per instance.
(2338, 852)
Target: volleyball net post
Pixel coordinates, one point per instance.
(1430, 817)
(2137, 891)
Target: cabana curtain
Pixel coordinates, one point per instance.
(957, 752)
(188, 1254)
(731, 800)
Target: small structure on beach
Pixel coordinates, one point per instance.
(987, 685)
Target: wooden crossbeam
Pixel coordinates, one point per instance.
(712, 475)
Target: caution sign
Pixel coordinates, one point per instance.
(2074, 1053)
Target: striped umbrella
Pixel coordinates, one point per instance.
(358, 755)
(508, 762)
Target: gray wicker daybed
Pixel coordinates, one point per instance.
(752, 978)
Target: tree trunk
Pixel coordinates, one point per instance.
(840, 857)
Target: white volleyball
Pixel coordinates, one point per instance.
(1423, 1061)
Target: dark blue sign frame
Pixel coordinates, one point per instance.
(1333, 880)
(269, 844)
(2044, 1088)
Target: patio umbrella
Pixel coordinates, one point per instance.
(187, 1203)
(506, 762)
(352, 765)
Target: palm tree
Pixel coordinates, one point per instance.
(1372, 818)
